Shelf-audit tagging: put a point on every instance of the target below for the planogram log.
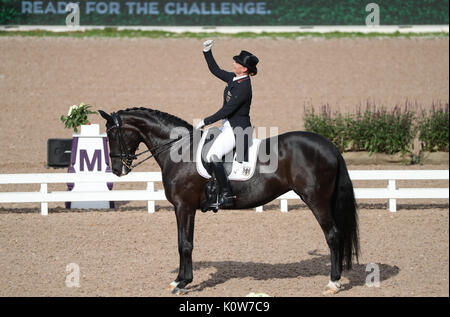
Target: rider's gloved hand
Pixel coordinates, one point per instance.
(207, 45)
(201, 124)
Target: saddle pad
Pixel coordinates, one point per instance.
(239, 171)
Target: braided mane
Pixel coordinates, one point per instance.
(160, 114)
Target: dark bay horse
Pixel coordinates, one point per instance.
(308, 164)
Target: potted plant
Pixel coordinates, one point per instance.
(77, 116)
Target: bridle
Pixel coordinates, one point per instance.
(125, 156)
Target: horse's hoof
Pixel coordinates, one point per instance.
(179, 291)
(332, 288)
(173, 285)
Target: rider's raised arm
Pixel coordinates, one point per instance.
(215, 69)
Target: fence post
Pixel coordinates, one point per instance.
(150, 203)
(392, 201)
(284, 205)
(44, 205)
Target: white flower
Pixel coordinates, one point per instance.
(74, 107)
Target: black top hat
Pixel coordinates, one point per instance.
(248, 60)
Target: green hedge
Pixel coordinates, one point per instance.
(433, 128)
(378, 130)
(276, 12)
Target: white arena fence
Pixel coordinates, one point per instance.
(390, 192)
(44, 197)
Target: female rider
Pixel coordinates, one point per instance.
(234, 114)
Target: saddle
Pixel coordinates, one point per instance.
(235, 170)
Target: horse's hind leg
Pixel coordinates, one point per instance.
(321, 206)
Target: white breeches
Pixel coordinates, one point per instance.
(224, 142)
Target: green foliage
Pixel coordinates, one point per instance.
(331, 126)
(77, 116)
(382, 131)
(433, 129)
(8, 11)
(375, 130)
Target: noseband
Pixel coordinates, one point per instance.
(125, 156)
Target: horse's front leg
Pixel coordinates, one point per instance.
(185, 223)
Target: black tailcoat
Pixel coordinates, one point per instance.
(237, 98)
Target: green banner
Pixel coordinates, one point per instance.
(225, 13)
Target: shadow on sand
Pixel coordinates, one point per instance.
(318, 265)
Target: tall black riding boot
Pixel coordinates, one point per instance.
(211, 194)
(226, 198)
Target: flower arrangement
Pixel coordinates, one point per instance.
(77, 116)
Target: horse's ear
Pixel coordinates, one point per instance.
(106, 116)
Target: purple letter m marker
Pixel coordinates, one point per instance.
(90, 164)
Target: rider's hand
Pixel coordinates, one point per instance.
(201, 124)
(207, 45)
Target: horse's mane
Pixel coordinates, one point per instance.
(160, 114)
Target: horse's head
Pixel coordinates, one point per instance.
(123, 142)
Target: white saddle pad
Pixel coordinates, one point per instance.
(240, 171)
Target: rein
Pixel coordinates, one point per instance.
(128, 158)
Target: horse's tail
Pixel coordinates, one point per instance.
(345, 216)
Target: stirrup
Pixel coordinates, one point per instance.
(211, 205)
(226, 201)
(214, 208)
